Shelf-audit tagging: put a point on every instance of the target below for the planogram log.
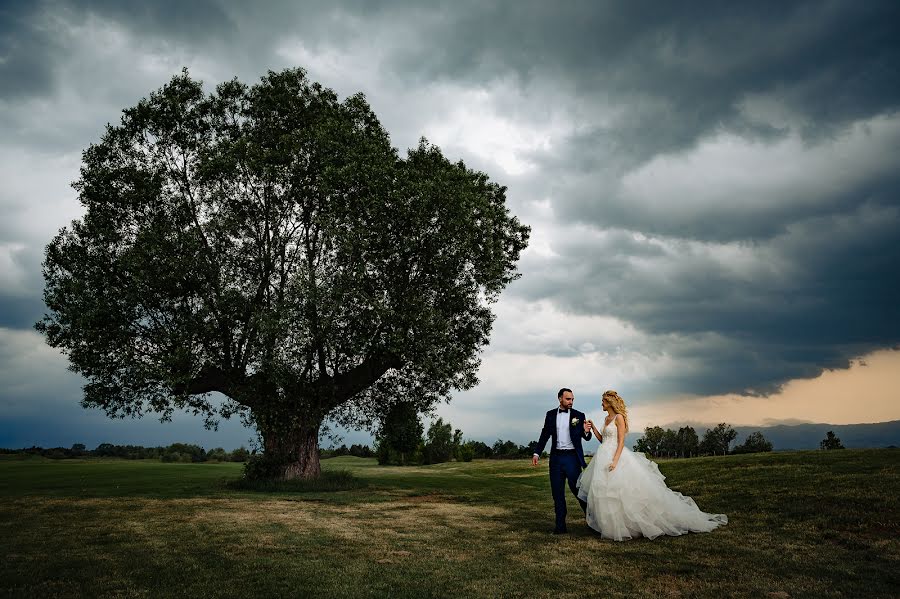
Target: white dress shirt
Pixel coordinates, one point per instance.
(563, 437)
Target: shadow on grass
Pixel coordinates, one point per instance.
(329, 481)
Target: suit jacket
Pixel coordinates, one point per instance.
(576, 431)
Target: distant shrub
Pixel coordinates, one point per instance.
(262, 467)
(831, 441)
(755, 443)
(329, 481)
(217, 454)
(241, 454)
(361, 451)
(176, 456)
(508, 450)
(465, 452)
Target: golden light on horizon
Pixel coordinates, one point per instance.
(868, 391)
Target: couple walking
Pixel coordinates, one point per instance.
(622, 493)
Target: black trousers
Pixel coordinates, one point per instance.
(564, 467)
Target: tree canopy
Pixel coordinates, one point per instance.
(268, 243)
(717, 440)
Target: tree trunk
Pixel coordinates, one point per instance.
(291, 448)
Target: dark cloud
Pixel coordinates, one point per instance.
(722, 177)
(27, 52)
(18, 312)
(752, 315)
(32, 34)
(834, 60)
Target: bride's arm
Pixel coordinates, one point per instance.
(596, 432)
(620, 434)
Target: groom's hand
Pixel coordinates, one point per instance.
(534, 460)
(588, 424)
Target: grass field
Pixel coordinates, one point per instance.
(802, 524)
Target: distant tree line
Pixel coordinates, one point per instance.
(176, 452)
(442, 444)
(402, 440)
(355, 450)
(684, 443)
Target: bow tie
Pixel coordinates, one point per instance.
(561, 411)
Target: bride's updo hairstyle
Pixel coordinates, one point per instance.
(617, 404)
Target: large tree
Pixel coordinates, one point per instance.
(268, 243)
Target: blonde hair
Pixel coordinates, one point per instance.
(617, 404)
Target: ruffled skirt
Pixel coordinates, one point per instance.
(634, 501)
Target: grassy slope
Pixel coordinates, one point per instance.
(802, 524)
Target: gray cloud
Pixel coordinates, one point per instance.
(719, 179)
(33, 34)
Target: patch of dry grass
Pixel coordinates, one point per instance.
(826, 528)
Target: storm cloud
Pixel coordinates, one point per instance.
(714, 188)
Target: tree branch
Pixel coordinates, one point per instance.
(210, 378)
(359, 378)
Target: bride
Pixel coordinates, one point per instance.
(625, 492)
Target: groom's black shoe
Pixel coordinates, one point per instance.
(560, 531)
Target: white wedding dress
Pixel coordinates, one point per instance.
(633, 500)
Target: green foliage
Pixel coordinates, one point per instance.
(831, 441)
(755, 443)
(669, 444)
(177, 452)
(687, 443)
(481, 450)
(717, 440)
(465, 452)
(128, 452)
(331, 481)
(217, 454)
(261, 467)
(659, 442)
(508, 450)
(399, 440)
(241, 454)
(175, 456)
(652, 441)
(356, 450)
(268, 243)
(439, 443)
(184, 452)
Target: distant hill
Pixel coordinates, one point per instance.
(808, 436)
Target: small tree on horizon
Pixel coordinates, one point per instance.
(652, 441)
(687, 441)
(831, 441)
(439, 446)
(400, 436)
(754, 443)
(717, 440)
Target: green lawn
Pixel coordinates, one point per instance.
(802, 524)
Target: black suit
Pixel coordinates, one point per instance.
(564, 465)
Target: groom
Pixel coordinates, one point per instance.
(567, 427)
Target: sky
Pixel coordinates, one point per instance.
(713, 190)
